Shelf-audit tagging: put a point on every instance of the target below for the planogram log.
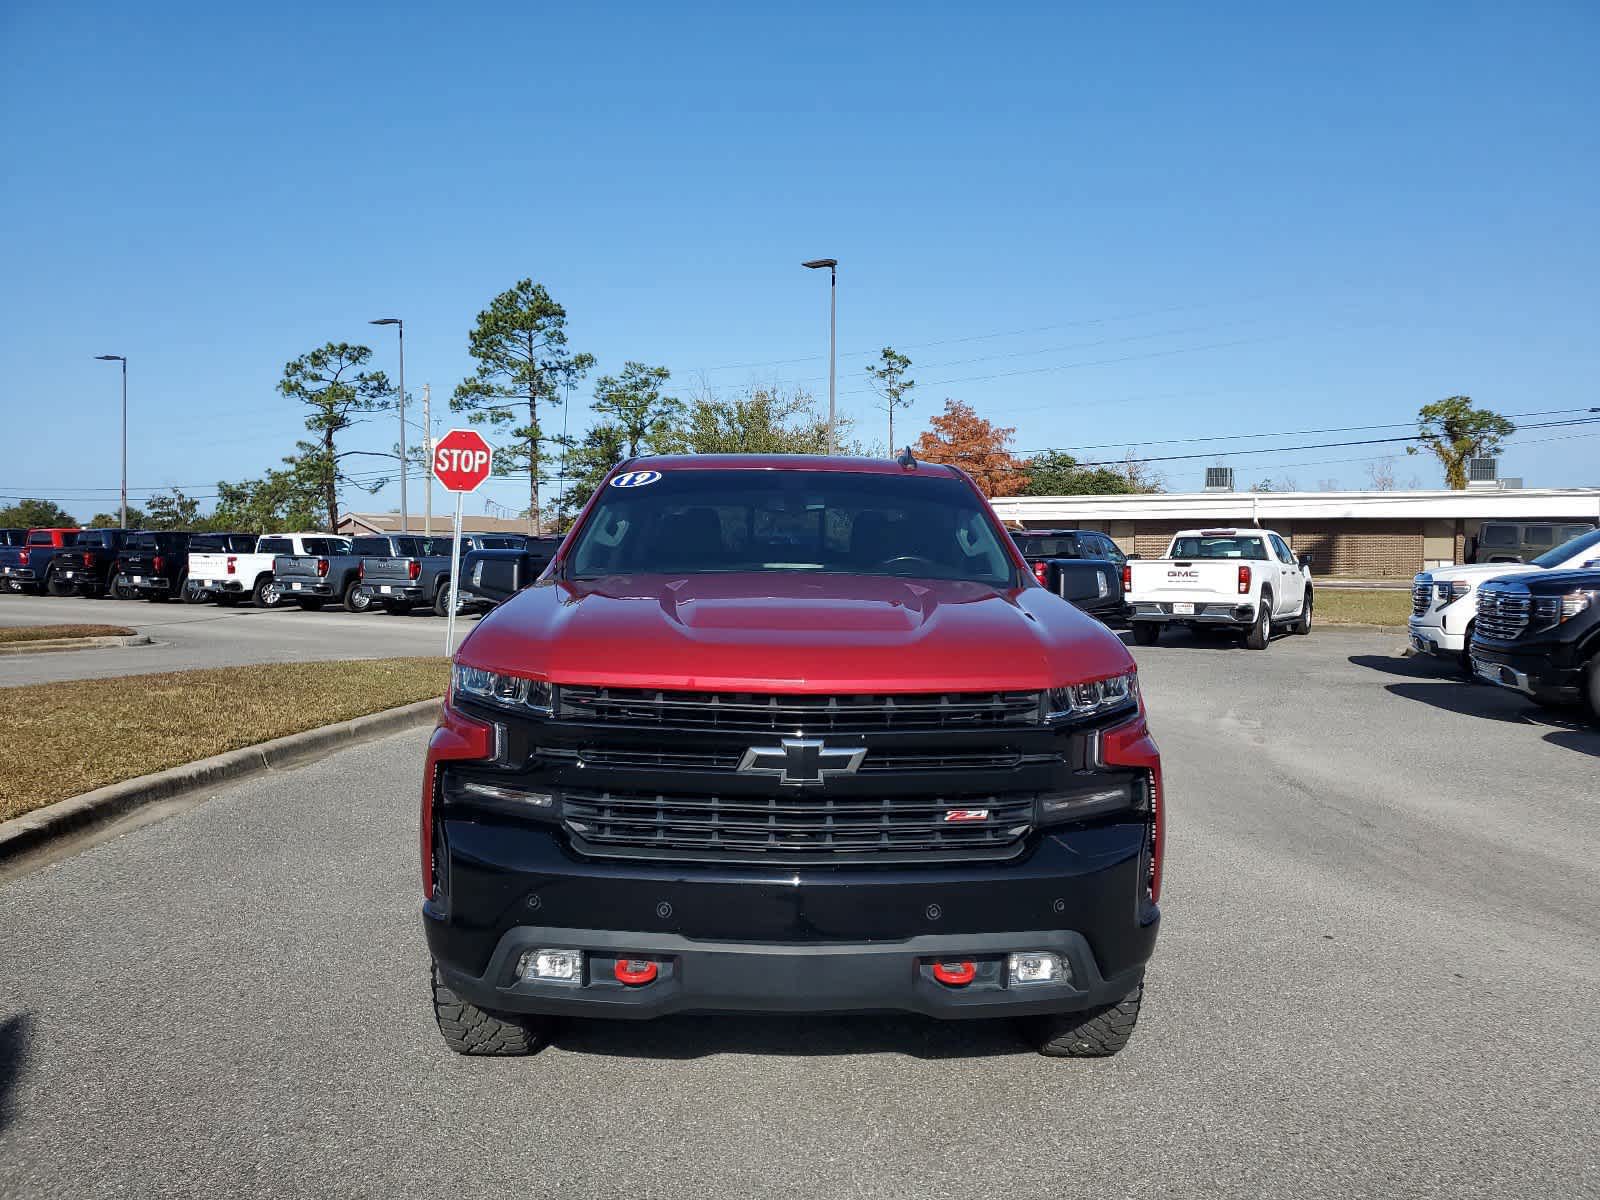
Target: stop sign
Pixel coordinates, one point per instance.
(461, 460)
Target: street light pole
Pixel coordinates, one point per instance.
(123, 520)
(833, 326)
(400, 328)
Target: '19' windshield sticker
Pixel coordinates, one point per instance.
(636, 479)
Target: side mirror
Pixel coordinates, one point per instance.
(1591, 564)
(1304, 560)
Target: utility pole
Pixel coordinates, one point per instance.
(400, 328)
(427, 446)
(832, 264)
(123, 359)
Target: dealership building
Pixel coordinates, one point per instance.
(1373, 535)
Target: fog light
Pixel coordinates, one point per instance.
(1070, 805)
(635, 971)
(563, 966)
(955, 974)
(520, 795)
(1037, 966)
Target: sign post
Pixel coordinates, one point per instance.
(460, 463)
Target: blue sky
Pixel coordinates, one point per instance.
(1101, 224)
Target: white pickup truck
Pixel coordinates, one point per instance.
(229, 578)
(1444, 601)
(1245, 579)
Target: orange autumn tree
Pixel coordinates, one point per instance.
(964, 439)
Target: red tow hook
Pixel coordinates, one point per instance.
(635, 972)
(955, 974)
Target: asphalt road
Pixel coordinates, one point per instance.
(1379, 976)
(186, 636)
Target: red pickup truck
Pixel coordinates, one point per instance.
(790, 734)
(26, 568)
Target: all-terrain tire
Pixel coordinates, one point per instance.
(1146, 633)
(468, 1029)
(441, 600)
(1260, 634)
(1094, 1033)
(1302, 624)
(355, 600)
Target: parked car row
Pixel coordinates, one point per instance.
(1533, 627)
(399, 572)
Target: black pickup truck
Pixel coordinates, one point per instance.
(1080, 565)
(1540, 635)
(422, 576)
(491, 577)
(154, 565)
(88, 566)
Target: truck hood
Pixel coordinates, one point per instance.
(793, 632)
(1476, 573)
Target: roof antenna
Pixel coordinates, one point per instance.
(907, 460)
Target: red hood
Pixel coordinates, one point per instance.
(793, 632)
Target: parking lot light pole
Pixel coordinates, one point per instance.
(832, 264)
(400, 328)
(124, 361)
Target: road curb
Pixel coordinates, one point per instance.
(56, 645)
(32, 830)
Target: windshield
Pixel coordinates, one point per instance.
(1219, 547)
(1048, 545)
(1554, 558)
(696, 521)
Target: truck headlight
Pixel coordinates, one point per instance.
(1574, 603)
(1090, 699)
(1449, 593)
(510, 692)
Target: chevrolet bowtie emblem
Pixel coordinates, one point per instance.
(801, 762)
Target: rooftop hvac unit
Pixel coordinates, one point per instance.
(1483, 472)
(1219, 479)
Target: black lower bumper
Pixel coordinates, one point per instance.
(1548, 673)
(319, 590)
(727, 939)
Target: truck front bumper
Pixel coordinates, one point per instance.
(1546, 673)
(1163, 612)
(1434, 638)
(807, 939)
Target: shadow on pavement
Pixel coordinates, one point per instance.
(14, 1037)
(687, 1037)
(1437, 685)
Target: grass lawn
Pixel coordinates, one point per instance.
(1373, 606)
(70, 738)
(45, 633)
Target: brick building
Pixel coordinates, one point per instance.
(1359, 534)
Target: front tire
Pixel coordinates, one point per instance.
(468, 1029)
(266, 593)
(1261, 632)
(1146, 633)
(1302, 625)
(1095, 1033)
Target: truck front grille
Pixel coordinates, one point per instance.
(717, 760)
(796, 828)
(791, 712)
(1503, 612)
(1421, 596)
